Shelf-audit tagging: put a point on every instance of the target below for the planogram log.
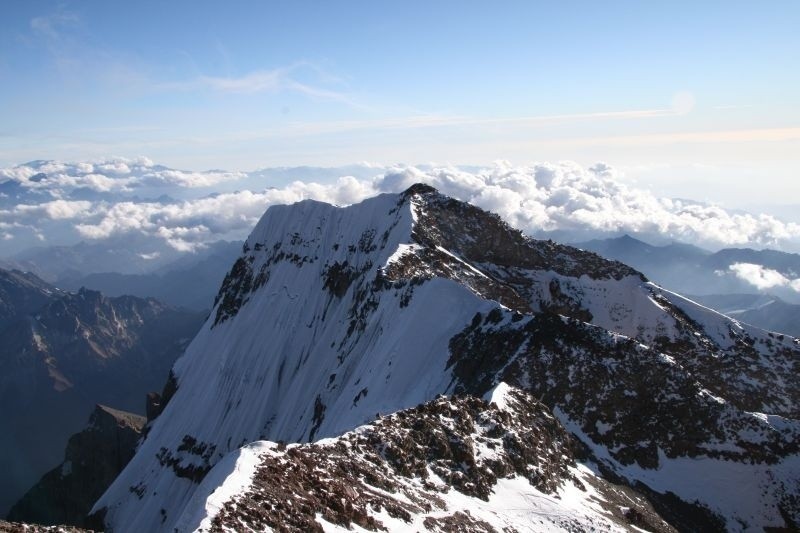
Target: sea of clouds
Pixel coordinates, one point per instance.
(100, 199)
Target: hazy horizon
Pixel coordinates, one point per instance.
(55, 203)
(686, 100)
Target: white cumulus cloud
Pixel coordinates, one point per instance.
(538, 198)
(113, 174)
(762, 277)
(53, 210)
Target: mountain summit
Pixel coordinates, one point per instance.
(334, 317)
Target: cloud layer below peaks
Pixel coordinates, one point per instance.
(540, 198)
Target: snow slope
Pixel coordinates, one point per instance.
(334, 316)
(289, 346)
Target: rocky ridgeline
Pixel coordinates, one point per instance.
(477, 248)
(617, 390)
(479, 236)
(405, 465)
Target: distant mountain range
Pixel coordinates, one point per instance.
(692, 270)
(191, 281)
(62, 353)
(181, 279)
(133, 255)
(762, 310)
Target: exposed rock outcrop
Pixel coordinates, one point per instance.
(16, 527)
(435, 467)
(93, 458)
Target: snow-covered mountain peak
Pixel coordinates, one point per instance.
(335, 316)
(418, 235)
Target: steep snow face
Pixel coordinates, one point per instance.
(333, 316)
(307, 340)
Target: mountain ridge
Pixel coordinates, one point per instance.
(692, 270)
(435, 467)
(332, 315)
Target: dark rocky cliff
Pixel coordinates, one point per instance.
(94, 457)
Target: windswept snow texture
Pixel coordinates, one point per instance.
(335, 316)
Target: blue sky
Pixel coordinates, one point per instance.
(697, 99)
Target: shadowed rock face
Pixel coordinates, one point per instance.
(22, 293)
(621, 387)
(478, 249)
(483, 237)
(94, 457)
(70, 354)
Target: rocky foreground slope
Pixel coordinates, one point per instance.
(458, 463)
(333, 317)
(18, 527)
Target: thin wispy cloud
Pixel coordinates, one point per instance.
(714, 136)
(255, 82)
(58, 32)
(267, 81)
(729, 107)
(432, 121)
(436, 121)
(274, 80)
(52, 25)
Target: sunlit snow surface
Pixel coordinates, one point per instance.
(296, 362)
